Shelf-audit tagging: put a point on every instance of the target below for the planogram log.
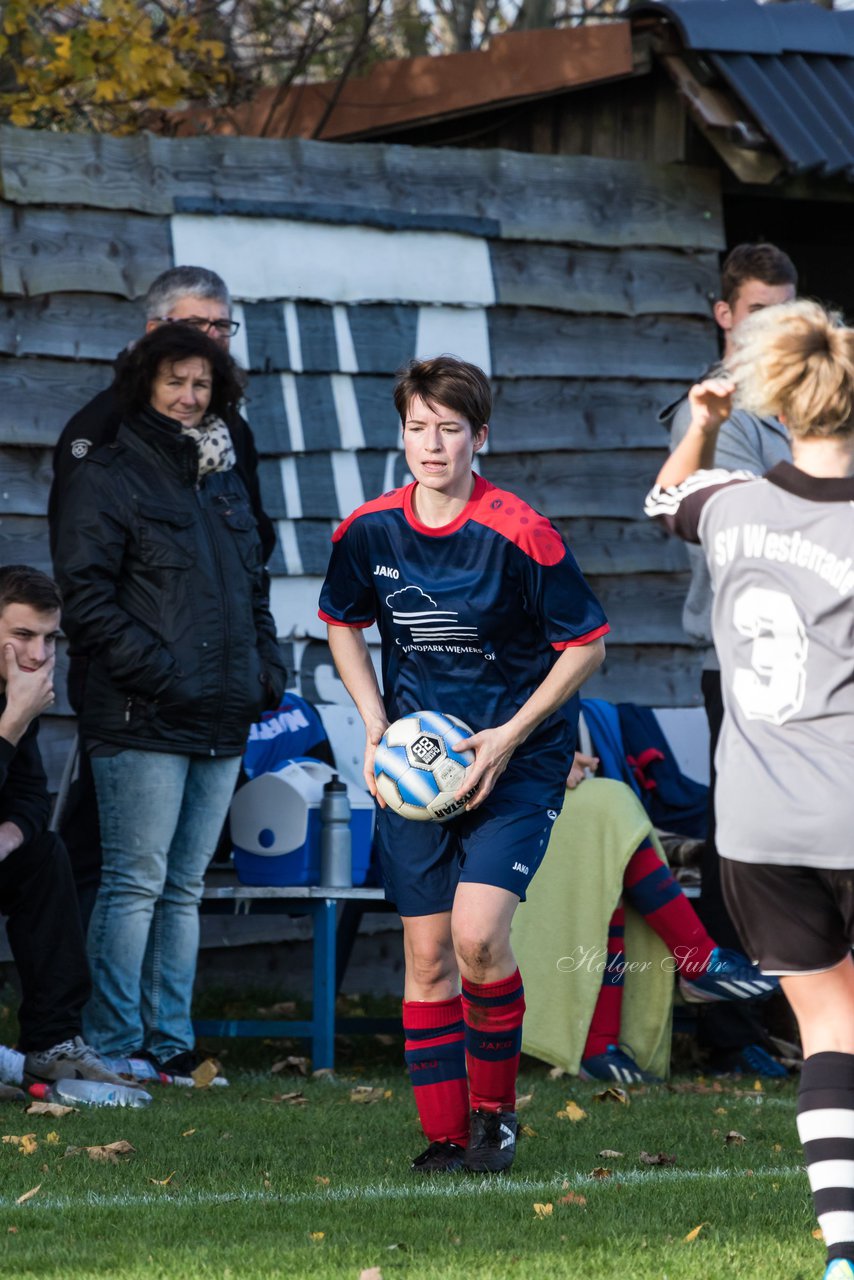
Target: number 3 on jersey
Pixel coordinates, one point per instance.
(773, 687)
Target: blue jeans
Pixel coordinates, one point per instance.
(161, 816)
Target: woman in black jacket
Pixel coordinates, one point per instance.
(160, 563)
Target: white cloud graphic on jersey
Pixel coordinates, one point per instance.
(426, 622)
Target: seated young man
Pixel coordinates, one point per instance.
(36, 887)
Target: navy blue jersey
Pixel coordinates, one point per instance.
(472, 615)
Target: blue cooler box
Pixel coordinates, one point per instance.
(275, 825)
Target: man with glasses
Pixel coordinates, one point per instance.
(182, 295)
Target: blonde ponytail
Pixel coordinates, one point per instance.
(795, 362)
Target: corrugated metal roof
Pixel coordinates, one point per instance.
(790, 65)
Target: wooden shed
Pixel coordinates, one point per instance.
(580, 283)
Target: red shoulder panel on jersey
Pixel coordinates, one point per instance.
(336, 622)
(579, 640)
(385, 502)
(513, 519)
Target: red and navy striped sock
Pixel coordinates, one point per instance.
(652, 890)
(826, 1129)
(493, 1013)
(605, 1023)
(434, 1049)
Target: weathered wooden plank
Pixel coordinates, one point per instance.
(651, 675)
(623, 546)
(87, 251)
(383, 336)
(26, 477)
(578, 199)
(527, 342)
(37, 397)
(328, 485)
(628, 282)
(562, 413)
(579, 484)
(266, 338)
(76, 326)
(24, 539)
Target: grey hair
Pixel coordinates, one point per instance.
(184, 282)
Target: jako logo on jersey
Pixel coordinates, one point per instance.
(385, 571)
(520, 866)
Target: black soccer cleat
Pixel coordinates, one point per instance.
(440, 1157)
(492, 1145)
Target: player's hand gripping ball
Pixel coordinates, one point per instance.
(419, 769)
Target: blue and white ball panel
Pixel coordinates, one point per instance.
(418, 768)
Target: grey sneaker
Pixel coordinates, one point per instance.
(70, 1060)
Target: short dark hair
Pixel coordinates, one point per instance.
(20, 584)
(463, 387)
(170, 343)
(763, 262)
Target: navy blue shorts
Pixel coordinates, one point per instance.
(502, 842)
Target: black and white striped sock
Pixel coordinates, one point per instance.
(826, 1129)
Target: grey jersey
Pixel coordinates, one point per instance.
(746, 442)
(780, 552)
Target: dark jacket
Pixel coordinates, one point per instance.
(165, 593)
(23, 785)
(97, 423)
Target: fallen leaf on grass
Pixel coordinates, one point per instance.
(163, 1182)
(818, 1234)
(572, 1111)
(12, 1231)
(297, 1099)
(321, 1181)
(556, 1073)
(324, 1073)
(299, 1066)
(284, 1009)
(599, 1174)
(778, 1146)
(383, 1038)
(48, 1109)
(612, 1094)
(543, 1210)
(693, 1233)
(371, 1273)
(316, 1236)
(719, 1111)
(572, 1197)
(109, 1153)
(28, 1195)
(26, 1143)
(528, 1131)
(735, 1139)
(52, 1138)
(205, 1073)
(365, 1093)
(659, 1157)
(188, 1133)
(608, 1154)
(523, 1100)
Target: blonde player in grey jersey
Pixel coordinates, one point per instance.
(780, 551)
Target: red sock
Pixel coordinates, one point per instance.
(605, 1023)
(493, 1013)
(435, 1055)
(651, 889)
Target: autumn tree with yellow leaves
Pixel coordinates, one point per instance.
(99, 64)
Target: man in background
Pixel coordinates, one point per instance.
(753, 276)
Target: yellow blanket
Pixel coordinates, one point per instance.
(560, 935)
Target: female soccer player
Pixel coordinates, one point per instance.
(780, 554)
(483, 613)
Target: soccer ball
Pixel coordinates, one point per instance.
(418, 768)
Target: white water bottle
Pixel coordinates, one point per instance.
(92, 1093)
(336, 850)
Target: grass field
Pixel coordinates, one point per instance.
(244, 1183)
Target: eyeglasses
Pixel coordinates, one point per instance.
(225, 328)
